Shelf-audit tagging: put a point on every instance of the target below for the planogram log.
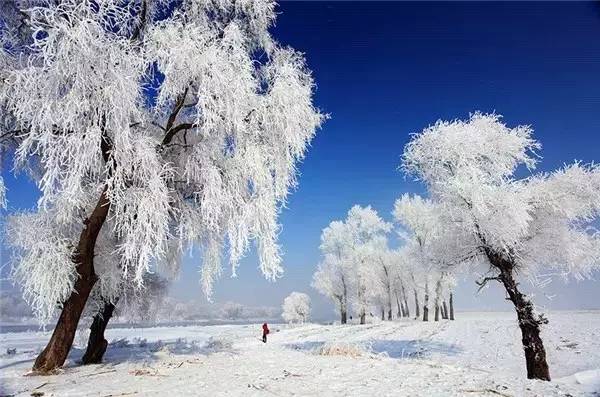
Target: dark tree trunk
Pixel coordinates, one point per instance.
(426, 304)
(363, 316)
(444, 310)
(438, 292)
(96, 343)
(57, 349)
(406, 311)
(382, 313)
(400, 307)
(389, 315)
(451, 307)
(417, 307)
(535, 353)
(344, 302)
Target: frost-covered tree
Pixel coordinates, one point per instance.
(331, 280)
(232, 310)
(296, 308)
(420, 230)
(513, 226)
(366, 238)
(402, 276)
(334, 274)
(162, 125)
(385, 277)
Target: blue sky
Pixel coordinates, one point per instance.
(387, 69)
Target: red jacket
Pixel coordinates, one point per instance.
(265, 329)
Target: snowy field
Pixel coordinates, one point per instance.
(479, 354)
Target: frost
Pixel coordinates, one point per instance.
(193, 138)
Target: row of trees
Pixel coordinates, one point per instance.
(150, 127)
(479, 213)
(361, 274)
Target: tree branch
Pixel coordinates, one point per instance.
(484, 282)
(170, 130)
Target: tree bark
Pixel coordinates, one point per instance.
(389, 292)
(400, 308)
(451, 307)
(363, 316)
(403, 309)
(444, 310)
(344, 302)
(407, 311)
(382, 313)
(57, 349)
(97, 344)
(417, 308)
(438, 291)
(426, 303)
(529, 323)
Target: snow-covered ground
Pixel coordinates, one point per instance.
(478, 354)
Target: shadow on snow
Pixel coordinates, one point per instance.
(398, 349)
(139, 350)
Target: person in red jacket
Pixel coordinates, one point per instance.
(265, 332)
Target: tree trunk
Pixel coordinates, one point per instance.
(400, 308)
(535, 354)
(417, 308)
(451, 307)
(96, 343)
(438, 291)
(426, 303)
(344, 302)
(382, 313)
(57, 349)
(407, 312)
(363, 317)
(389, 292)
(444, 310)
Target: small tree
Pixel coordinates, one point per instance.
(296, 308)
(510, 225)
(232, 310)
(333, 276)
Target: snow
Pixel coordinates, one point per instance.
(479, 354)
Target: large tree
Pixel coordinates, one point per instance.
(513, 226)
(160, 124)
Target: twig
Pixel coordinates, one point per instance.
(42, 385)
(484, 282)
(100, 373)
(486, 390)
